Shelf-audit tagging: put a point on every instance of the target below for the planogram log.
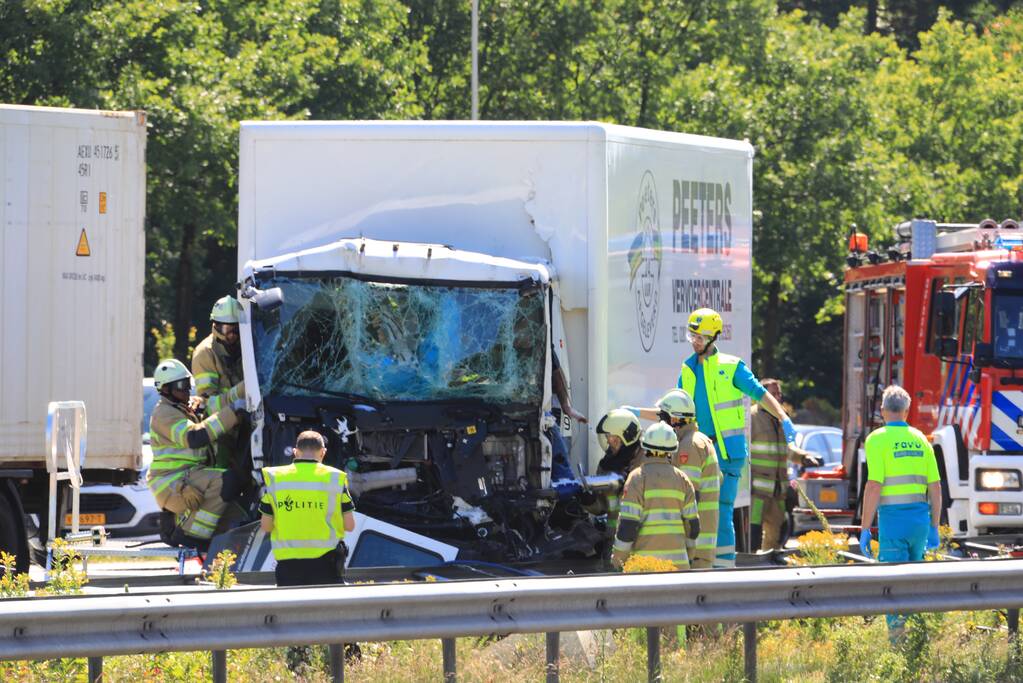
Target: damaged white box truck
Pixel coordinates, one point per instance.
(407, 284)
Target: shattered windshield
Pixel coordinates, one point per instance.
(402, 342)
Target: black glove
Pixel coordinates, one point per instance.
(811, 461)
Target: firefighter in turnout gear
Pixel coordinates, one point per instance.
(618, 434)
(695, 457)
(180, 477)
(217, 366)
(658, 510)
(307, 510)
(769, 474)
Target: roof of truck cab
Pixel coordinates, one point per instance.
(403, 261)
(488, 130)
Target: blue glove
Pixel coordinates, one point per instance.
(865, 539)
(790, 431)
(933, 539)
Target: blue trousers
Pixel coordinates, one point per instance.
(902, 537)
(730, 474)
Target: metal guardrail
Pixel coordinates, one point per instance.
(94, 626)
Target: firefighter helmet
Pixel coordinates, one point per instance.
(226, 310)
(660, 440)
(621, 423)
(170, 371)
(678, 405)
(705, 321)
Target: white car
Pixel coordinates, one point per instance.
(128, 511)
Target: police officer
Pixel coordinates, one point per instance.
(695, 457)
(903, 486)
(180, 477)
(618, 434)
(769, 472)
(717, 383)
(217, 366)
(307, 510)
(658, 511)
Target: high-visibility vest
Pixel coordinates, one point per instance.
(727, 407)
(907, 461)
(307, 498)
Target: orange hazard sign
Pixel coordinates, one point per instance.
(83, 245)
(102, 202)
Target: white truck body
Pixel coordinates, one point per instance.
(623, 230)
(595, 201)
(72, 245)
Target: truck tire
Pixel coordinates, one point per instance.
(12, 536)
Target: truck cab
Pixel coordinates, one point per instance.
(942, 315)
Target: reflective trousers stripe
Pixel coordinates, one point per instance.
(158, 484)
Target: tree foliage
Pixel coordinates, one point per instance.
(861, 112)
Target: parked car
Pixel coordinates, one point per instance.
(128, 511)
(826, 443)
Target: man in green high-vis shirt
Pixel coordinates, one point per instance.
(903, 487)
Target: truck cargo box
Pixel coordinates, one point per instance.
(72, 203)
(639, 227)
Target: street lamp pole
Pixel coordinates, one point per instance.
(475, 60)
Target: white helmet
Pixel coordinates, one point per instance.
(170, 371)
(660, 440)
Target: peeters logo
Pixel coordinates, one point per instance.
(645, 256)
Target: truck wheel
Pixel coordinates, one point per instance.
(11, 537)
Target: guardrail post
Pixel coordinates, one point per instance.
(220, 666)
(450, 666)
(1012, 621)
(749, 647)
(653, 654)
(553, 656)
(95, 669)
(336, 654)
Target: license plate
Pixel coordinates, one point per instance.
(88, 518)
(829, 496)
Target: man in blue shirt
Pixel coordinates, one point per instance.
(718, 382)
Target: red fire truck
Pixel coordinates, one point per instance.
(941, 314)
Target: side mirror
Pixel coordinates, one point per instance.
(983, 354)
(265, 300)
(948, 347)
(946, 312)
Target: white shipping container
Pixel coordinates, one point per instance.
(640, 226)
(72, 246)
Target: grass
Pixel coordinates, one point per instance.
(941, 647)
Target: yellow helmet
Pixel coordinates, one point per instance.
(620, 422)
(660, 440)
(226, 310)
(705, 321)
(678, 405)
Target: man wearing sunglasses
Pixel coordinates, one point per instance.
(718, 382)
